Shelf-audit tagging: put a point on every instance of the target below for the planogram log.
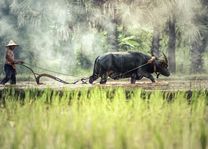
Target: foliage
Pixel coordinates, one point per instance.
(83, 60)
(103, 118)
(41, 27)
(139, 40)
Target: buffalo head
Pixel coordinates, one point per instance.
(162, 65)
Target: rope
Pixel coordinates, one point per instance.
(122, 74)
(48, 70)
(37, 78)
(135, 68)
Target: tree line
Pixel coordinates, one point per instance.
(66, 27)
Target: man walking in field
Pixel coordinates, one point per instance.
(9, 66)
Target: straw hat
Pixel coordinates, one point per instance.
(11, 43)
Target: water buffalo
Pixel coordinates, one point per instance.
(118, 65)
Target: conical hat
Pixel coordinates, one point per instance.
(11, 43)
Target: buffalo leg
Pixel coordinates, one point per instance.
(104, 78)
(93, 78)
(149, 76)
(139, 77)
(133, 78)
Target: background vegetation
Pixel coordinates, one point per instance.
(67, 35)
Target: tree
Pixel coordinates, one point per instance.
(111, 16)
(59, 29)
(196, 52)
(172, 44)
(155, 42)
(199, 44)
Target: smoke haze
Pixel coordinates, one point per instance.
(51, 33)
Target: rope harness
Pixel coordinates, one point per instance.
(37, 76)
(149, 62)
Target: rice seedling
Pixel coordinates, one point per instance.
(102, 117)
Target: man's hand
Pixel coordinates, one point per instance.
(19, 62)
(151, 60)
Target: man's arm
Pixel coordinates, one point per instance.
(151, 60)
(19, 62)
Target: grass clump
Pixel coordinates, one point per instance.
(103, 118)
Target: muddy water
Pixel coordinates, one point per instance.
(172, 85)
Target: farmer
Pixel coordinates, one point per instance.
(9, 66)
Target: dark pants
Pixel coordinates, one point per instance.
(10, 74)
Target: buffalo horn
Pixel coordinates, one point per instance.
(165, 58)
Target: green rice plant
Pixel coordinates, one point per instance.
(103, 117)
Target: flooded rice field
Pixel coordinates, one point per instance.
(167, 85)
